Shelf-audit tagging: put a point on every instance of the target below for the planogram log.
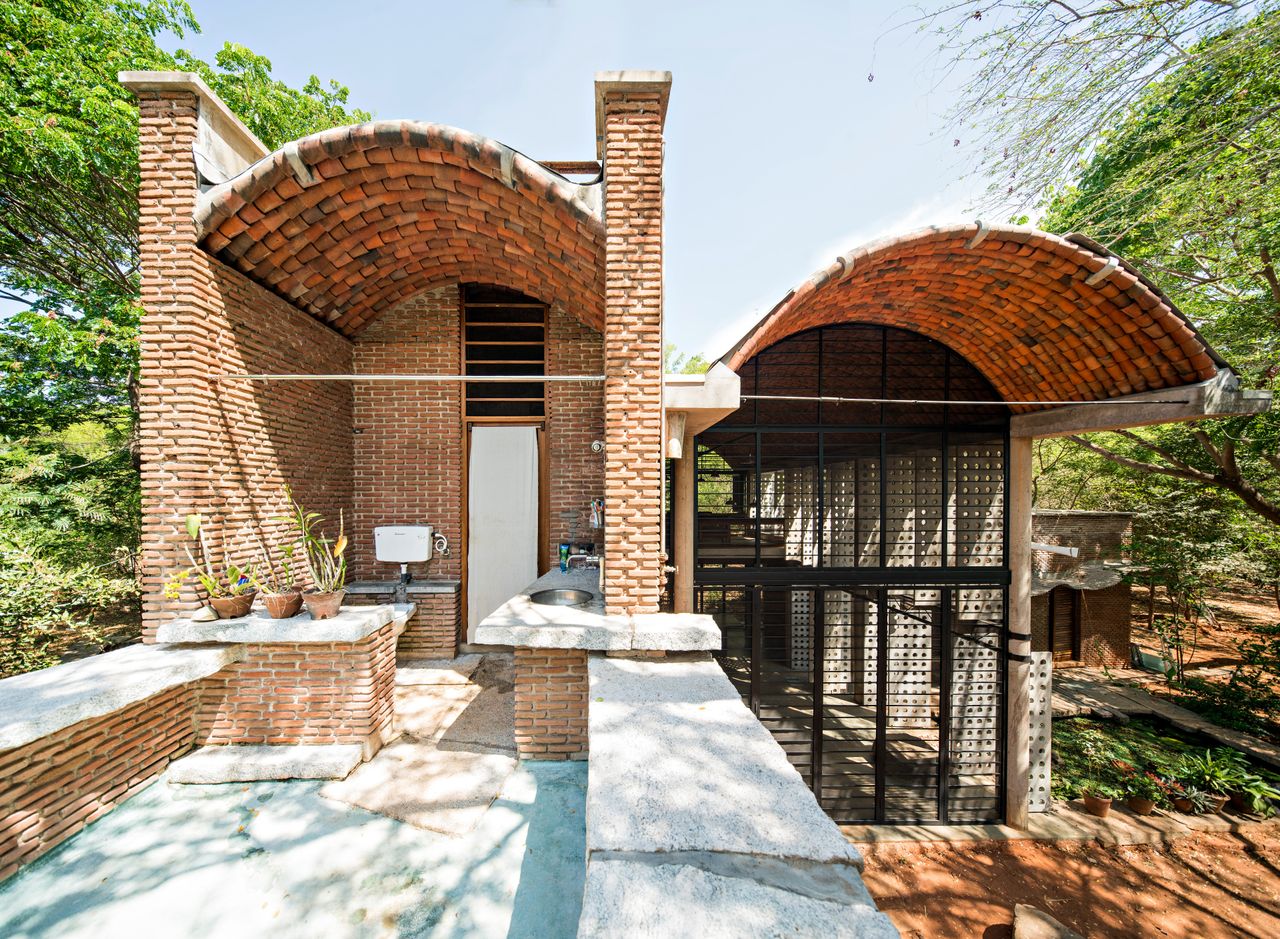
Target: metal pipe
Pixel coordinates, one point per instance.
(466, 378)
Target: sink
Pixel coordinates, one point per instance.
(561, 596)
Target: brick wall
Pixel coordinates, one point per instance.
(434, 630)
(632, 131)
(575, 417)
(224, 449)
(408, 440)
(312, 693)
(1099, 536)
(54, 786)
(1104, 625)
(551, 704)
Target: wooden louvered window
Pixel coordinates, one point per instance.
(504, 333)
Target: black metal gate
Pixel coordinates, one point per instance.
(853, 556)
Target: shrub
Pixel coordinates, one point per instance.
(48, 610)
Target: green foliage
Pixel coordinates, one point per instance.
(325, 560)
(1218, 771)
(1089, 753)
(1248, 699)
(674, 362)
(228, 579)
(1143, 786)
(68, 250)
(49, 609)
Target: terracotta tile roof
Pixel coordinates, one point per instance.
(1014, 302)
(348, 222)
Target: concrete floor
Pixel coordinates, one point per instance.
(283, 859)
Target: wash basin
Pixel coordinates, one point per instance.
(561, 596)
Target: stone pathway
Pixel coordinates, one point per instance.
(1085, 692)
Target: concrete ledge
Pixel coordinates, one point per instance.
(212, 765)
(416, 587)
(40, 703)
(352, 624)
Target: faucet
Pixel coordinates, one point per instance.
(588, 560)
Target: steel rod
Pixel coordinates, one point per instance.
(999, 404)
(466, 378)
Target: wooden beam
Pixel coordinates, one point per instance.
(682, 517)
(1220, 396)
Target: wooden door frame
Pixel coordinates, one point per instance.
(544, 520)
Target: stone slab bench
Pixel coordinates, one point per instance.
(227, 764)
(697, 823)
(41, 703)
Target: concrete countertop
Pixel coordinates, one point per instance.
(521, 622)
(424, 586)
(352, 624)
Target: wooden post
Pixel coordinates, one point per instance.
(682, 518)
(1018, 714)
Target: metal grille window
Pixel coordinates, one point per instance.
(853, 554)
(504, 334)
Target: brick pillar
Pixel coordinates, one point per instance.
(551, 689)
(630, 111)
(173, 430)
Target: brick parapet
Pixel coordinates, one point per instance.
(575, 418)
(432, 632)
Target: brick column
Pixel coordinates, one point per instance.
(551, 689)
(630, 111)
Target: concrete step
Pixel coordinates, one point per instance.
(247, 763)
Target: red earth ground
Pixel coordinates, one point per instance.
(1199, 887)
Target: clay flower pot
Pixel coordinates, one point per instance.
(233, 607)
(1183, 804)
(282, 605)
(1217, 803)
(1096, 805)
(323, 605)
(1141, 806)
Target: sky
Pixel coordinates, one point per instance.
(781, 154)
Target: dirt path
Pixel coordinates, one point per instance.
(1199, 887)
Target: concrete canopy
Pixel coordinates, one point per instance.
(347, 222)
(1044, 318)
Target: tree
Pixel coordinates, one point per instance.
(68, 251)
(675, 362)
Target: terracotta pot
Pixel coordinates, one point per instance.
(1141, 806)
(1096, 805)
(282, 605)
(1238, 802)
(1216, 803)
(1184, 805)
(323, 605)
(233, 607)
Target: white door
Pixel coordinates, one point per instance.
(502, 518)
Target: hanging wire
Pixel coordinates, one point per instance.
(998, 404)
(459, 378)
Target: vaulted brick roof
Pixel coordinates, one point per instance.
(1015, 303)
(347, 222)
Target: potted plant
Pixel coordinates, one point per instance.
(281, 595)
(230, 590)
(1142, 792)
(1217, 773)
(1097, 799)
(324, 561)
(1254, 794)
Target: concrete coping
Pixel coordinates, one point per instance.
(523, 623)
(351, 624)
(40, 703)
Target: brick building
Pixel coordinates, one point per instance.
(408, 323)
(1080, 608)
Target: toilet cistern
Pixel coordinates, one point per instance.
(405, 545)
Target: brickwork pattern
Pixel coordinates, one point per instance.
(400, 206)
(434, 630)
(551, 691)
(222, 448)
(1104, 625)
(1099, 536)
(408, 446)
(1016, 305)
(575, 417)
(54, 786)
(633, 351)
(303, 693)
